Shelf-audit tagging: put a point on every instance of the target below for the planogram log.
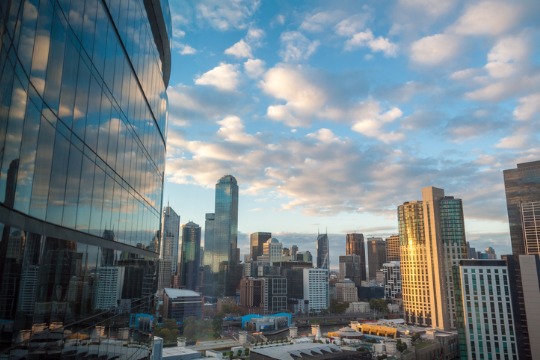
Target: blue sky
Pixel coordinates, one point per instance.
(330, 114)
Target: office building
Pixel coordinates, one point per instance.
(191, 256)
(274, 294)
(352, 267)
(376, 254)
(392, 248)
(432, 240)
(221, 255)
(316, 289)
(392, 280)
(179, 304)
(272, 251)
(82, 152)
(256, 241)
(354, 245)
(524, 275)
(346, 291)
(110, 280)
(486, 327)
(251, 292)
(170, 238)
(323, 252)
(522, 187)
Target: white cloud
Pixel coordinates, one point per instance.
(254, 68)
(254, 35)
(351, 25)
(302, 96)
(324, 136)
(225, 15)
(367, 39)
(240, 50)
(224, 77)
(296, 47)
(515, 141)
(488, 18)
(506, 57)
(232, 130)
(529, 108)
(370, 121)
(187, 50)
(433, 9)
(320, 21)
(435, 49)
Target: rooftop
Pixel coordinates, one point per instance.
(174, 293)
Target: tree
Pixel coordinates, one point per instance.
(168, 331)
(337, 307)
(378, 304)
(401, 346)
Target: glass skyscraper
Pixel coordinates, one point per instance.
(323, 252)
(522, 187)
(191, 256)
(83, 110)
(170, 238)
(221, 253)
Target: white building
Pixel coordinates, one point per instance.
(273, 249)
(109, 287)
(392, 279)
(487, 315)
(316, 289)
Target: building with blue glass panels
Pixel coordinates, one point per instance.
(83, 110)
(222, 274)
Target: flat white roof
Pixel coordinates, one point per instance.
(174, 293)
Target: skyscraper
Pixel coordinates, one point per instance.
(354, 244)
(191, 255)
(170, 237)
(256, 241)
(323, 252)
(82, 152)
(376, 254)
(432, 240)
(486, 327)
(522, 186)
(221, 272)
(392, 248)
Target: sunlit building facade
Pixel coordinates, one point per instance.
(83, 110)
(256, 241)
(432, 242)
(170, 238)
(392, 248)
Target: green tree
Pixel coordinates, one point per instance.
(168, 331)
(379, 305)
(401, 346)
(337, 307)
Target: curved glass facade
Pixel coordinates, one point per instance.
(83, 110)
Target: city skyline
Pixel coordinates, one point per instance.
(280, 94)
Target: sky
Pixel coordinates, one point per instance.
(330, 114)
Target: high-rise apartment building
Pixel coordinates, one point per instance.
(191, 256)
(392, 280)
(376, 254)
(392, 248)
(256, 241)
(432, 242)
(522, 186)
(323, 252)
(82, 154)
(316, 289)
(486, 316)
(221, 256)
